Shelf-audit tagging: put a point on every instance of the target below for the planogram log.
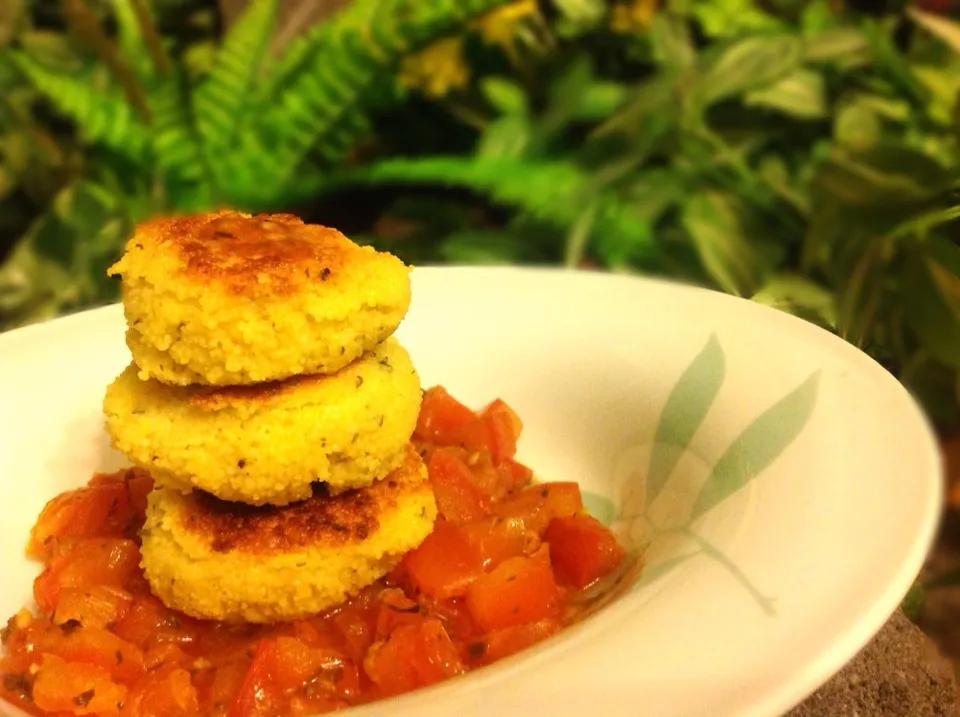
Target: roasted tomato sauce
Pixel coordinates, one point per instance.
(509, 563)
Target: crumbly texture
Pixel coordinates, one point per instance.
(236, 563)
(228, 298)
(267, 443)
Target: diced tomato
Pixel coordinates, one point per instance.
(459, 500)
(517, 591)
(582, 549)
(356, 621)
(217, 688)
(497, 539)
(164, 655)
(441, 415)
(445, 563)
(107, 561)
(504, 428)
(169, 693)
(502, 643)
(95, 646)
(282, 665)
(474, 435)
(149, 622)
(80, 513)
(538, 504)
(396, 609)
(76, 687)
(95, 606)
(413, 656)
(454, 616)
(514, 475)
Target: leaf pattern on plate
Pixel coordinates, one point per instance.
(756, 448)
(760, 444)
(599, 506)
(686, 407)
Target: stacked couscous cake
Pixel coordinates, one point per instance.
(273, 408)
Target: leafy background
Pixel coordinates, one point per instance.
(801, 153)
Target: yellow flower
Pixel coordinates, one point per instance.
(437, 68)
(500, 25)
(633, 16)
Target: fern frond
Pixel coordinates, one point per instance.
(552, 192)
(322, 90)
(221, 101)
(130, 38)
(175, 143)
(102, 116)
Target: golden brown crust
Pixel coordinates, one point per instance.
(247, 254)
(323, 519)
(217, 398)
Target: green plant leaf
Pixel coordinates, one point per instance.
(749, 64)
(600, 100)
(324, 91)
(549, 191)
(174, 139)
(801, 94)
(943, 28)
(50, 49)
(856, 125)
(881, 176)
(507, 96)
(101, 115)
(801, 296)
(482, 247)
(222, 100)
(687, 405)
(847, 46)
(508, 136)
(714, 221)
(760, 444)
(728, 18)
(932, 301)
(671, 43)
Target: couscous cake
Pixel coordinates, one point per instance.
(229, 298)
(268, 443)
(227, 561)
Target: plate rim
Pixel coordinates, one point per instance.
(841, 648)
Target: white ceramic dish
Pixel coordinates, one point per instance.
(785, 487)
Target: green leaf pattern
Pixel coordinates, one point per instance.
(744, 460)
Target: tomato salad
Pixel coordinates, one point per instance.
(509, 563)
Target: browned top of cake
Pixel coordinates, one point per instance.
(321, 520)
(250, 254)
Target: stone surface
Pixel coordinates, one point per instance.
(900, 673)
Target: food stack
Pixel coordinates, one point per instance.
(273, 407)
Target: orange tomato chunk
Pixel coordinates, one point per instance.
(91, 562)
(95, 646)
(503, 643)
(413, 656)
(538, 504)
(459, 500)
(582, 550)
(517, 591)
(504, 427)
(441, 416)
(77, 688)
(95, 606)
(445, 563)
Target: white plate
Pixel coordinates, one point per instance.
(789, 575)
